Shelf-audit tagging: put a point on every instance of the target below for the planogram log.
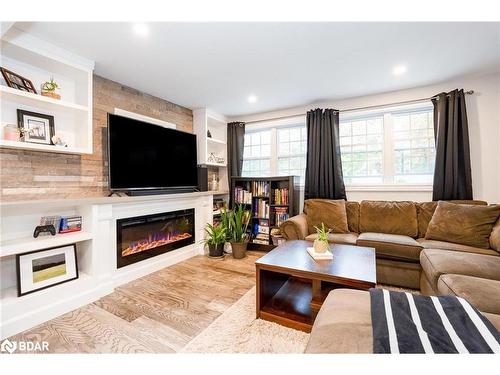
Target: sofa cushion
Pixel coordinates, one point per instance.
(437, 262)
(343, 324)
(495, 236)
(463, 223)
(425, 210)
(388, 217)
(328, 211)
(433, 244)
(484, 294)
(340, 238)
(352, 209)
(391, 246)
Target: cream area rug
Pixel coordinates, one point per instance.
(237, 331)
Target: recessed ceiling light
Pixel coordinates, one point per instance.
(252, 99)
(398, 70)
(141, 29)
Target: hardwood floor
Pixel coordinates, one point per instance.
(159, 313)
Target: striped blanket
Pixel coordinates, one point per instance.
(407, 323)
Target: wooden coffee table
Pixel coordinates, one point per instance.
(291, 285)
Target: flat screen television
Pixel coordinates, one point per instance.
(148, 157)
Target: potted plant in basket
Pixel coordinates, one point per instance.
(215, 239)
(321, 244)
(49, 89)
(237, 223)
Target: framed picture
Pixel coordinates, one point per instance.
(38, 128)
(16, 81)
(43, 269)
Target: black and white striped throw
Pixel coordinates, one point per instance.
(407, 323)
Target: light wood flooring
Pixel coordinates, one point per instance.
(158, 313)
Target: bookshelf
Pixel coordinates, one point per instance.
(271, 200)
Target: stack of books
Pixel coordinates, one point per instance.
(261, 209)
(260, 188)
(280, 215)
(261, 232)
(241, 195)
(281, 196)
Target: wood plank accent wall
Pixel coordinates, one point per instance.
(41, 175)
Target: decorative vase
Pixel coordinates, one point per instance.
(239, 249)
(320, 246)
(11, 133)
(216, 251)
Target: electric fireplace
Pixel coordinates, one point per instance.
(143, 237)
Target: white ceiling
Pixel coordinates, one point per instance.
(218, 65)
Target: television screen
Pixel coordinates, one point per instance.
(147, 156)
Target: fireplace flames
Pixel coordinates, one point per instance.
(154, 240)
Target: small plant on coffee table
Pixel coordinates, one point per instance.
(321, 244)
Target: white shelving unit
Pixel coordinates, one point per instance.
(205, 120)
(38, 61)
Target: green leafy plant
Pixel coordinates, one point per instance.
(215, 234)
(236, 222)
(50, 86)
(322, 233)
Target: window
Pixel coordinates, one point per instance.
(257, 154)
(391, 147)
(292, 151)
(275, 148)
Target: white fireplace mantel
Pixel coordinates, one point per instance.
(96, 250)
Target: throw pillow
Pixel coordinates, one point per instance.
(463, 223)
(330, 212)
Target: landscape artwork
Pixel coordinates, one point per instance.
(47, 268)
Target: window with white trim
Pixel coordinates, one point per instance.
(386, 146)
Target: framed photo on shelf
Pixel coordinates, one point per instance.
(38, 128)
(43, 269)
(16, 81)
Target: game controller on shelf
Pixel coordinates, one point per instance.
(44, 229)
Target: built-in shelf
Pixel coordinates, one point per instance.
(43, 147)
(216, 164)
(23, 245)
(213, 140)
(39, 101)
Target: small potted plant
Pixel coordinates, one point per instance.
(49, 89)
(321, 244)
(237, 223)
(215, 240)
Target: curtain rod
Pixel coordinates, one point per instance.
(469, 92)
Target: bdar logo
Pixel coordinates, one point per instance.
(8, 346)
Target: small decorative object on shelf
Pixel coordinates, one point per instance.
(16, 81)
(49, 89)
(215, 239)
(42, 269)
(51, 220)
(11, 133)
(321, 244)
(49, 228)
(209, 135)
(58, 141)
(70, 224)
(214, 184)
(36, 127)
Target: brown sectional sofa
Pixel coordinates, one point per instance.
(396, 230)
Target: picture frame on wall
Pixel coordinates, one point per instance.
(42, 269)
(16, 81)
(37, 127)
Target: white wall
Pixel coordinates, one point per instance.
(483, 109)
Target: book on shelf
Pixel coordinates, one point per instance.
(260, 188)
(242, 196)
(280, 196)
(260, 242)
(261, 208)
(280, 215)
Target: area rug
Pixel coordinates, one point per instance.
(237, 331)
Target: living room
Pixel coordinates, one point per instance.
(261, 186)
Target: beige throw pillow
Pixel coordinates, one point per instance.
(463, 223)
(330, 212)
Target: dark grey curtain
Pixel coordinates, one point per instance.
(235, 144)
(323, 167)
(452, 173)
